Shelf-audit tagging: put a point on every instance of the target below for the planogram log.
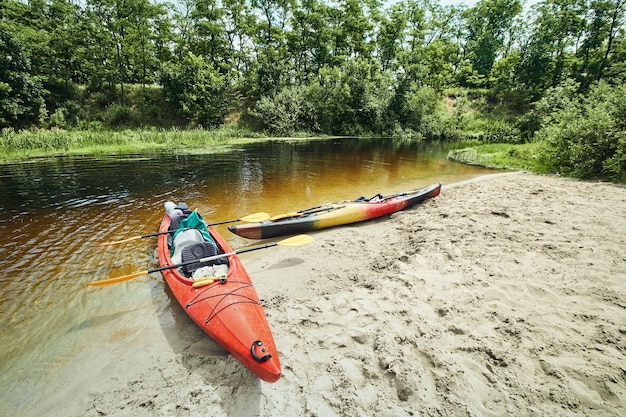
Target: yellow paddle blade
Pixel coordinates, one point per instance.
(298, 240)
(203, 282)
(285, 216)
(117, 279)
(120, 241)
(256, 217)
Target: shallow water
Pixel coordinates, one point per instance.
(54, 213)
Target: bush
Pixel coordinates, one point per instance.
(527, 124)
(285, 113)
(202, 95)
(585, 136)
(352, 100)
(118, 115)
(330, 98)
(57, 119)
(423, 113)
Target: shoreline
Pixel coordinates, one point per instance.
(503, 295)
(189, 142)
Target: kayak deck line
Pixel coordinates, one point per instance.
(224, 295)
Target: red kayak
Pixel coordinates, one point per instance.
(218, 295)
(335, 214)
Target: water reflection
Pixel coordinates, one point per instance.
(55, 212)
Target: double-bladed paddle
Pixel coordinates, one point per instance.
(251, 218)
(298, 240)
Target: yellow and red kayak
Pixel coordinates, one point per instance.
(335, 214)
(221, 299)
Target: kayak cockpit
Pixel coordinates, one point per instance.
(191, 240)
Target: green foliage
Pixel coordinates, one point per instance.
(371, 92)
(436, 60)
(528, 124)
(119, 115)
(470, 77)
(350, 101)
(422, 113)
(616, 67)
(142, 106)
(488, 26)
(585, 136)
(202, 95)
(502, 78)
(57, 119)
(321, 106)
(329, 95)
(284, 114)
(493, 128)
(21, 94)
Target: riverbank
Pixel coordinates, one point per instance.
(503, 295)
(29, 145)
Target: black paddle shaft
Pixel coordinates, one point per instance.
(210, 258)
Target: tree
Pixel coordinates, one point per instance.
(310, 40)
(391, 35)
(21, 94)
(209, 38)
(430, 54)
(329, 96)
(121, 46)
(144, 32)
(271, 67)
(196, 87)
(546, 58)
(355, 30)
(606, 18)
(616, 62)
(489, 23)
(239, 24)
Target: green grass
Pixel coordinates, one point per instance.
(501, 155)
(15, 146)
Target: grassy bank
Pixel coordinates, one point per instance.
(502, 155)
(17, 146)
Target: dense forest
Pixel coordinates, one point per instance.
(552, 71)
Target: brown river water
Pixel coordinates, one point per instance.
(54, 213)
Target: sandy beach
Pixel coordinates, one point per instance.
(504, 295)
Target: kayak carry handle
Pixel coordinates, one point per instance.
(263, 350)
